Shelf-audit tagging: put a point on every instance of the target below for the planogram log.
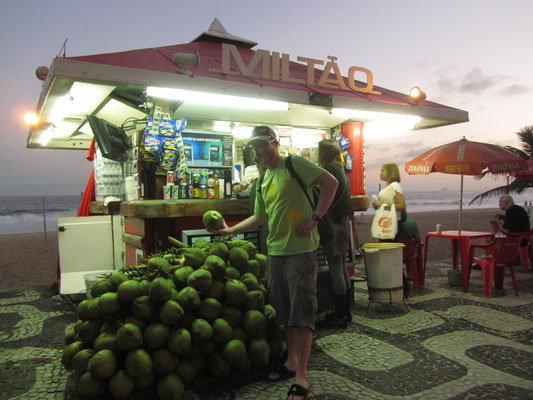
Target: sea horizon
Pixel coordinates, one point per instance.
(24, 214)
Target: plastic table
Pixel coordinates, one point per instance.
(461, 241)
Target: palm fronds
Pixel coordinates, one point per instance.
(517, 186)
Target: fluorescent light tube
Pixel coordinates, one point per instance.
(213, 99)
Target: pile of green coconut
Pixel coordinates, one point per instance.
(185, 312)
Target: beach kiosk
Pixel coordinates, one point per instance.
(215, 88)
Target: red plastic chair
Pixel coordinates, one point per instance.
(525, 252)
(503, 252)
(412, 258)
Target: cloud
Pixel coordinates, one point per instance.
(514, 90)
(476, 82)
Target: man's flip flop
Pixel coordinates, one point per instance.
(297, 390)
(283, 373)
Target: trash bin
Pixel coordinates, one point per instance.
(384, 271)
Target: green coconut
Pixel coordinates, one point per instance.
(262, 260)
(81, 311)
(181, 275)
(231, 273)
(201, 280)
(170, 387)
(81, 360)
(219, 249)
(155, 335)
(216, 291)
(103, 364)
(89, 331)
(121, 385)
(164, 361)
(277, 349)
(142, 307)
(93, 312)
(222, 330)
(213, 220)
(270, 314)
(215, 265)
(89, 386)
(129, 336)
(99, 287)
(145, 381)
(171, 313)
(106, 341)
(254, 323)
(116, 279)
(235, 292)
(186, 370)
(157, 263)
(138, 363)
(160, 290)
(201, 331)
(70, 351)
(233, 315)
(259, 352)
(217, 365)
(238, 257)
(240, 334)
(144, 287)
(252, 267)
(108, 304)
(180, 341)
(234, 351)
(194, 257)
(189, 299)
(128, 291)
(210, 309)
(250, 281)
(255, 300)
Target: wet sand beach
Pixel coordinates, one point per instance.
(30, 260)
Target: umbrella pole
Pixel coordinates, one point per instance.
(461, 206)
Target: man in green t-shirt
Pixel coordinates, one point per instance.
(292, 243)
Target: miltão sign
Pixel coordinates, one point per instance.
(276, 67)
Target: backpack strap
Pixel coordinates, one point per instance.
(290, 167)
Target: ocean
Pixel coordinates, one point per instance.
(24, 214)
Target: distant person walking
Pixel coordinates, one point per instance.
(329, 158)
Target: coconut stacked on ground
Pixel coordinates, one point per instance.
(188, 311)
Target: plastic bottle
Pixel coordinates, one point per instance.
(210, 187)
(216, 187)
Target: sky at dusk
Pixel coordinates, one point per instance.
(474, 55)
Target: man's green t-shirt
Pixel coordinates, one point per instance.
(283, 200)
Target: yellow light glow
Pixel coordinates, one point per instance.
(218, 100)
(31, 118)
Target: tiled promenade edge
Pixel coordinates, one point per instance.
(450, 345)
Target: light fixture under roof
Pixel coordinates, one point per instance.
(217, 100)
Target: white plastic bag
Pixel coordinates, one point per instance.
(385, 223)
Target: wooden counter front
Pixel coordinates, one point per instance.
(182, 208)
(194, 207)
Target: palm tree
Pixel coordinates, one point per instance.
(519, 184)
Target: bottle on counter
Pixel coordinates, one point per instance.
(196, 188)
(210, 187)
(216, 187)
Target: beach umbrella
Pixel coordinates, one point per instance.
(465, 157)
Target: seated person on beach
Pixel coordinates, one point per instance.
(515, 219)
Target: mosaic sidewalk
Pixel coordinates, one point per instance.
(450, 345)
